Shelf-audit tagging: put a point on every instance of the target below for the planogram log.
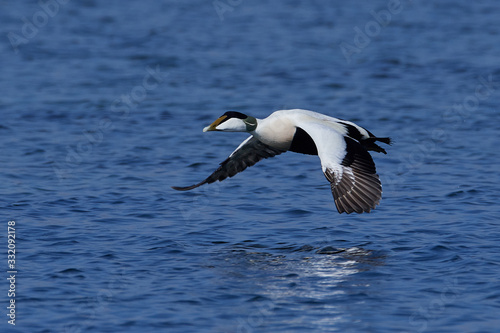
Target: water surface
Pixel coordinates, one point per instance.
(103, 109)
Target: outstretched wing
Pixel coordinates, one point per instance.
(348, 167)
(247, 154)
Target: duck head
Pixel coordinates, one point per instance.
(233, 121)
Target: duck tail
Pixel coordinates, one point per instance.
(370, 144)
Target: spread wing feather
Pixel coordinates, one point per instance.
(247, 154)
(348, 167)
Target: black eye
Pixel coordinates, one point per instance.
(234, 114)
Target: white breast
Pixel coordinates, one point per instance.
(276, 131)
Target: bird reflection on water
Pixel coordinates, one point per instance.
(294, 277)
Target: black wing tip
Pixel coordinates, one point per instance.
(185, 188)
(180, 188)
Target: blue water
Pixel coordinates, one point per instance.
(102, 109)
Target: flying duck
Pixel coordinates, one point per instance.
(341, 145)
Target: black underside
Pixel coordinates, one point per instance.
(357, 154)
(303, 143)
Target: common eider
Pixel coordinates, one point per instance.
(341, 145)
